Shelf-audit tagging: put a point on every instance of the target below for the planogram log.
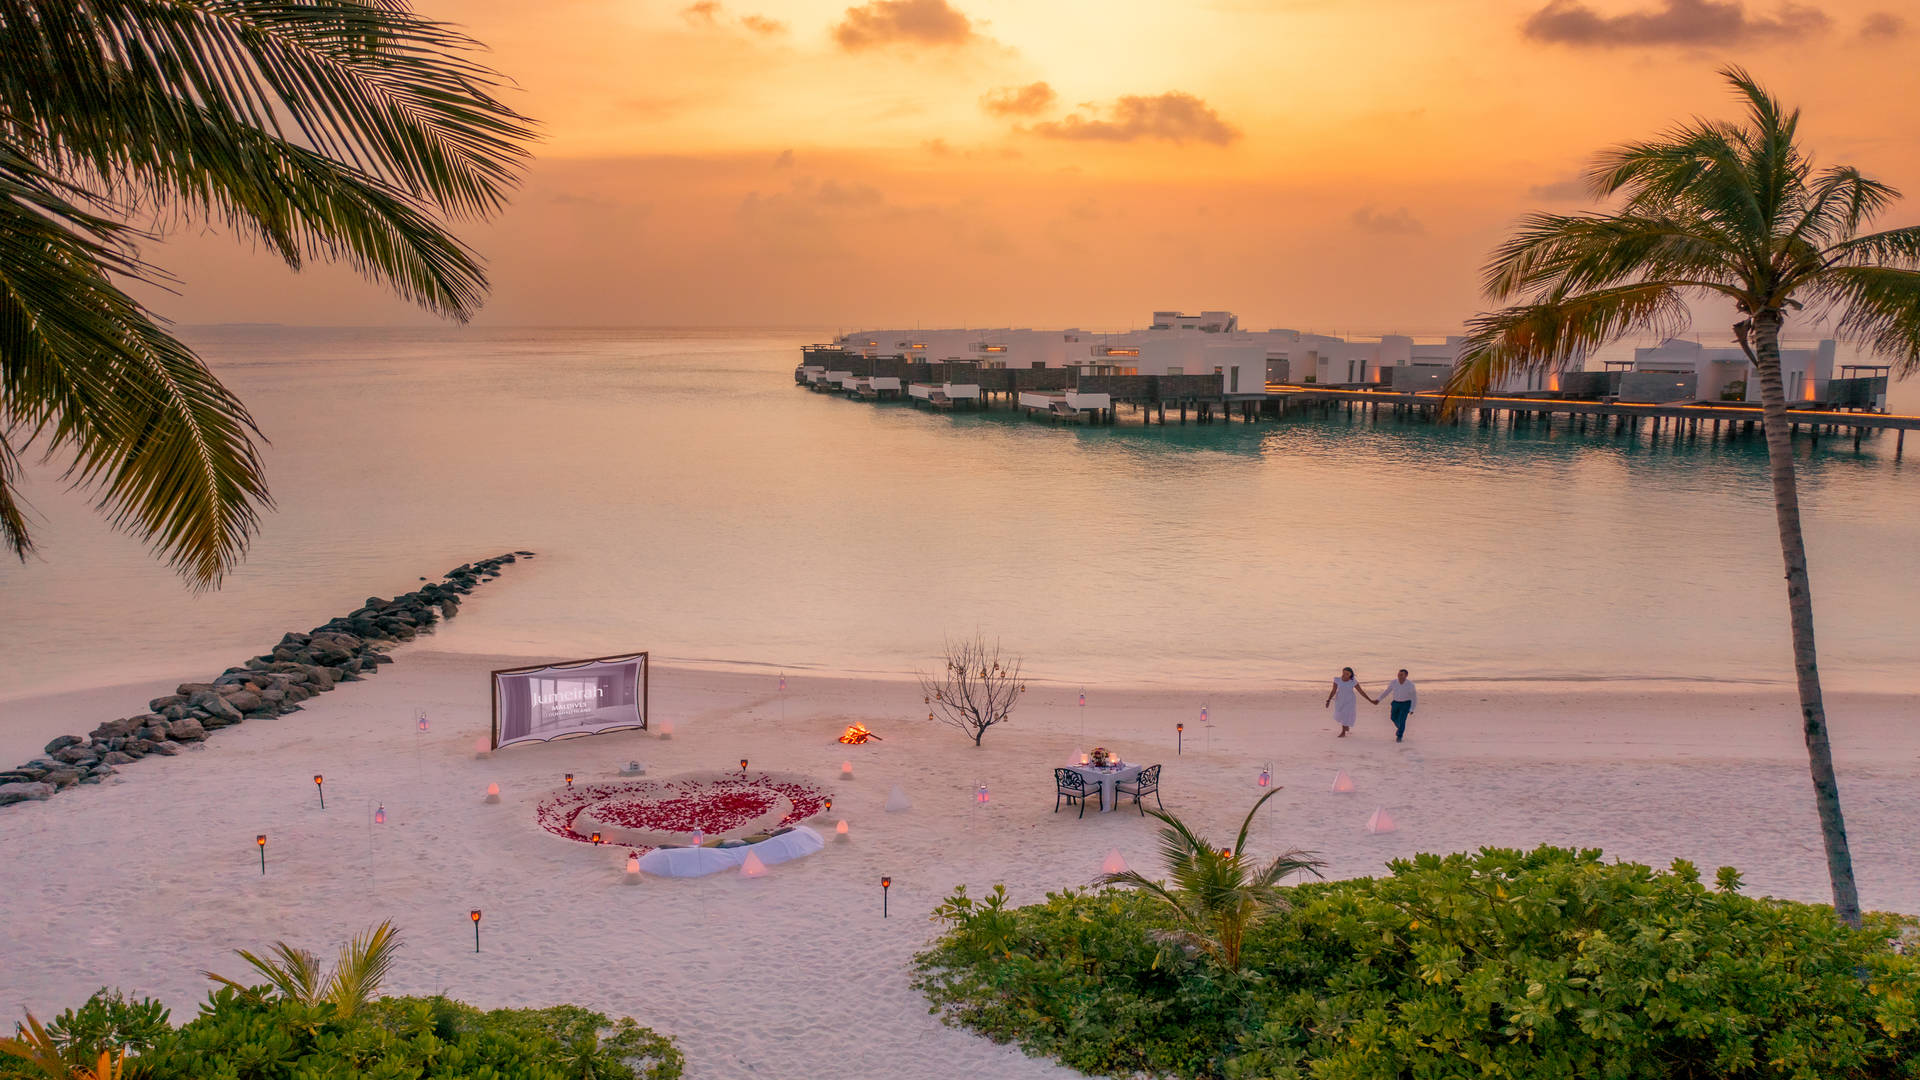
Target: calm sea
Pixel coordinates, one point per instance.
(685, 497)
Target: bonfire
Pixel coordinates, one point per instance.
(857, 734)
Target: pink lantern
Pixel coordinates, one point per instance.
(753, 867)
(666, 729)
(1266, 777)
(633, 869)
(783, 684)
(1203, 714)
(380, 816)
(980, 794)
(1114, 863)
(699, 837)
(1381, 822)
(1342, 783)
(482, 746)
(493, 793)
(421, 722)
(846, 770)
(1083, 699)
(840, 830)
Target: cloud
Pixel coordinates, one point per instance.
(709, 12)
(1672, 22)
(1029, 100)
(1882, 26)
(1569, 189)
(784, 160)
(895, 22)
(1173, 116)
(1394, 223)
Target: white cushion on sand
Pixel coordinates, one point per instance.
(699, 862)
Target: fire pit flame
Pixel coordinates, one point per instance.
(857, 734)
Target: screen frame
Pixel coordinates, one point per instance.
(646, 706)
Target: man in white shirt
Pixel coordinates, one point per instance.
(1404, 697)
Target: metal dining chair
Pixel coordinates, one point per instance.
(1071, 786)
(1147, 783)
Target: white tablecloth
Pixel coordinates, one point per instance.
(701, 861)
(1105, 779)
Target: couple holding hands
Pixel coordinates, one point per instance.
(1400, 692)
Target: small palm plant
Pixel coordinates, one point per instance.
(1216, 895)
(353, 983)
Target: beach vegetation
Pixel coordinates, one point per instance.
(976, 687)
(1524, 964)
(296, 974)
(1213, 895)
(40, 1054)
(1736, 213)
(350, 131)
(268, 1036)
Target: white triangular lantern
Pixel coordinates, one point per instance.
(897, 800)
(1114, 863)
(1381, 822)
(753, 867)
(1342, 783)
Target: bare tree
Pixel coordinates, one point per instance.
(976, 690)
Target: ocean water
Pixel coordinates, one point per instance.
(686, 498)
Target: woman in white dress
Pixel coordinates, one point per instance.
(1341, 700)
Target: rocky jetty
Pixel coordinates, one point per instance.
(345, 649)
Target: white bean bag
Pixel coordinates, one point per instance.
(699, 862)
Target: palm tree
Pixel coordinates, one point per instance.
(354, 981)
(1717, 210)
(1215, 896)
(321, 129)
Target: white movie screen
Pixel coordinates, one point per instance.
(579, 698)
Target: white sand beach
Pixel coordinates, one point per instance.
(142, 882)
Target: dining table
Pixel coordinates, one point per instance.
(1107, 777)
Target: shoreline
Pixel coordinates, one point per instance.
(28, 719)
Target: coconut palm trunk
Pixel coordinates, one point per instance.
(1806, 666)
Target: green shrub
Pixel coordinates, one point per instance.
(1550, 963)
(255, 1035)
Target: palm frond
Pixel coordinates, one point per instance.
(295, 973)
(144, 423)
(1246, 824)
(1898, 248)
(14, 533)
(1879, 308)
(366, 82)
(1540, 335)
(363, 966)
(1577, 252)
(1838, 203)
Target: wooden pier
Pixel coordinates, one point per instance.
(1062, 393)
(1690, 418)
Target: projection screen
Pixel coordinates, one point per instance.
(573, 697)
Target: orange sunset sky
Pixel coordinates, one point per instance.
(1339, 166)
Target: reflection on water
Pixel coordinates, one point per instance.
(687, 498)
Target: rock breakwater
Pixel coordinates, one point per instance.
(345, 649)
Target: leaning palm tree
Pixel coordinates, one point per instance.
(321, 129)
(1717, 210)
(1216, 895)
(296, 974)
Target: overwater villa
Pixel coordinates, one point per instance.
(1206, 367)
